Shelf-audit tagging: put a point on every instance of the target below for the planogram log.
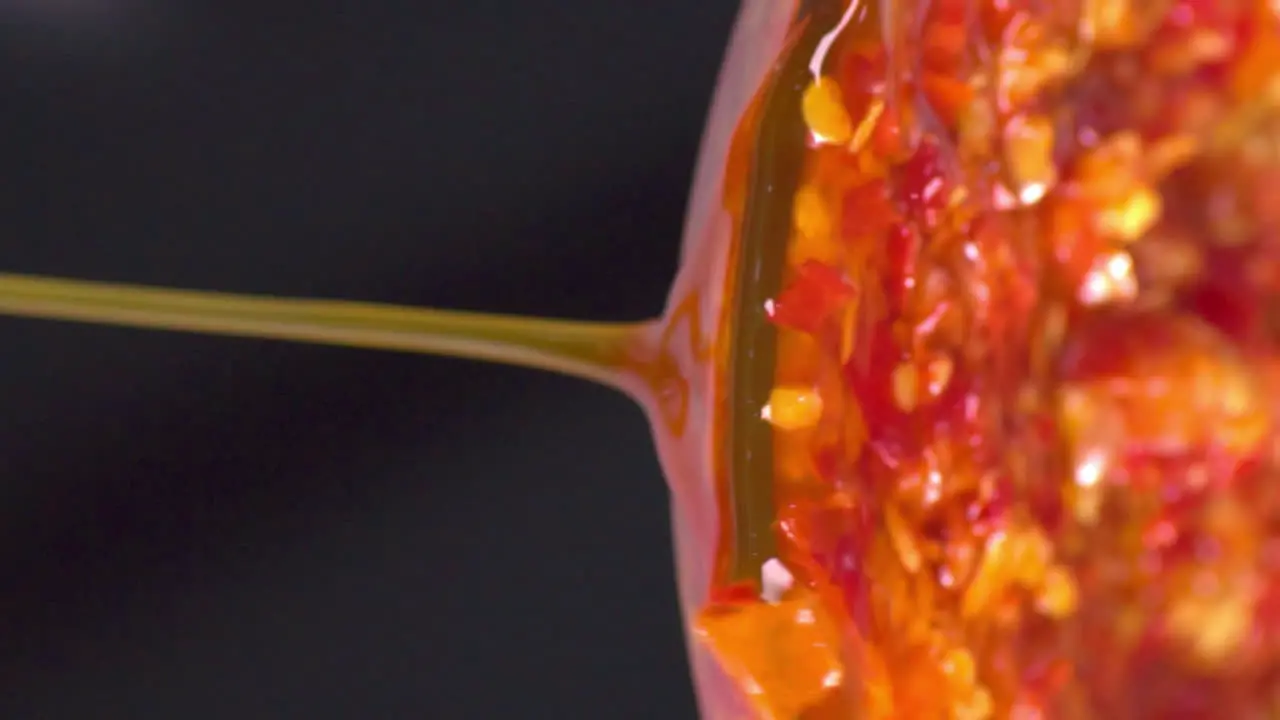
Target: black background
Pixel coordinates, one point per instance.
(215, 528)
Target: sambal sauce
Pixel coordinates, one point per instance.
(998, 424)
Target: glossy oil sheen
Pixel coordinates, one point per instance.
(684, 411)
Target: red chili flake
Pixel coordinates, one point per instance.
(945, 37)
(888, 140)
(947, 96)
(1187, 16)
(866, 212)
(902, 250)
(726, 597)
(1159, 533)
(923, 184)
(1225, 297)
(847, 570)
(996, 16)
(949, 11)
(817, 291)
(863, 73)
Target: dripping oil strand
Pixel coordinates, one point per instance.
(774, 175)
